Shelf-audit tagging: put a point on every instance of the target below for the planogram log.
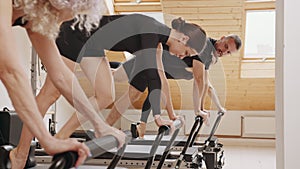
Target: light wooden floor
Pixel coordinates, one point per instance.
(250, 157)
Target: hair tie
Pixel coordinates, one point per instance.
(181, 24)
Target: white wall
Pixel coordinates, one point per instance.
(287, 84)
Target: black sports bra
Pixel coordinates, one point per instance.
(20, 22)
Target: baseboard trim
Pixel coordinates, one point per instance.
(248, 142)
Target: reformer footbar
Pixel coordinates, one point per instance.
(213, 155)
(214, 128)
(163, 130)
(190, 141)
(97, 147)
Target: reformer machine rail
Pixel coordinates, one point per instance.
(216, 125)
(190, 141)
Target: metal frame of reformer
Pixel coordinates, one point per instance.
(161, 132)
(193, 134)
(191, 139)
(212, 164)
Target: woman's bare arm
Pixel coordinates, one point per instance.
(198, 85)
(205, 89)
(214, 97)
(12, 75)
(159, 121)
(165, 85)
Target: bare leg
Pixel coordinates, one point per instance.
(119, 74)
(73, 123)
(122, 104)
(141, 128)
(98, 72)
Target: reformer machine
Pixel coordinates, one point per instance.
(210, 151)
(147, 151)
(105, 149)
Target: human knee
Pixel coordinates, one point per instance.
(105, 100)
(57, 78)
(134, 95)
(50, 95)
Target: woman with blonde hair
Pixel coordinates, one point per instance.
(42, 19)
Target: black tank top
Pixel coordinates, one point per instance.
(131, 33)
(174, 67)
(20, 22)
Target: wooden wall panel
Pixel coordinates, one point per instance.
(134, 1)
(143, 7)
(132, 6)
(218, 18)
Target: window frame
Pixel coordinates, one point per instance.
(257, 6)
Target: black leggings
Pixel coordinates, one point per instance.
(146, 110)
(151, 79)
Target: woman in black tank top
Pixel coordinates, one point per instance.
(138, 34)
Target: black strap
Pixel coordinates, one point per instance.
(5, 109)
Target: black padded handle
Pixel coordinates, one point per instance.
(97, 147)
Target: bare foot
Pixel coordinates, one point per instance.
(17, 159)
(205, 115)
(181, 118)
(141, 129)
(160, 122)
(222, 109)
(119, 135)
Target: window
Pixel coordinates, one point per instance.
(260, 34)
(259, 46)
